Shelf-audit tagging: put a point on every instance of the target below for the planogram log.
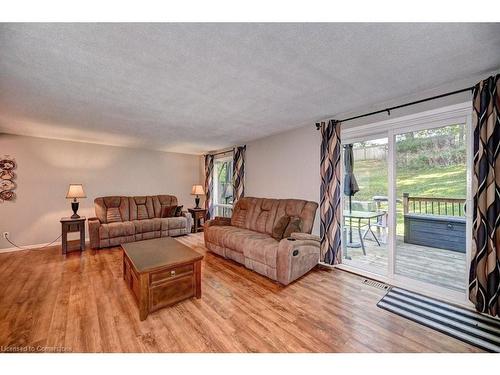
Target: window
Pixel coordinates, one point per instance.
(222, 198)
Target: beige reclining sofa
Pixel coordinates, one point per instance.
(247, 237)
(127, 219)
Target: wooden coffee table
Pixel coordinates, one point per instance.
(161, 272)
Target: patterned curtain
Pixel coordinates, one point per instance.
(239, 173)
(330, 209)
(209, 184)
(484, 278)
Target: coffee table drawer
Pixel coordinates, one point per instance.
(162, 276)
(170, 292)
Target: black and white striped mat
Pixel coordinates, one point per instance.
(457, 322)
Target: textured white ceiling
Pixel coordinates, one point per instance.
(198, 87)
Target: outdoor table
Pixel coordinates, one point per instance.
(358, 216)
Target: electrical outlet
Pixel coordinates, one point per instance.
(5, 234)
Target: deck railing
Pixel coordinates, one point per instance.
(433, 206)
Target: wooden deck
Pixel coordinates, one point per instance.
(436, 266)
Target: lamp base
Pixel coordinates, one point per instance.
(197, 202)
(74, 207)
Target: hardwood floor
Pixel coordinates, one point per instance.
(80, 303)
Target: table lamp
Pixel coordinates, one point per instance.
(197, 190)
(75, 191)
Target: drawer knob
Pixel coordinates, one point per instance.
(172, 273)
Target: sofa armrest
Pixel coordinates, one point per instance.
(297, 255)
(305, 236)
(189, 219)
(94, 225)
(218, 220)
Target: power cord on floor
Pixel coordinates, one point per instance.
(21, 248)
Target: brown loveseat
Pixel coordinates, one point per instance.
(247, 237)
(128, 219)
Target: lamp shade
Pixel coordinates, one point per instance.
(75, 191)
(197, 190)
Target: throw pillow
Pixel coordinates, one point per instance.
(295, 225)
(178, 211)
(168, 211)
(279, 227)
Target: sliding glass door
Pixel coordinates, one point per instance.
(431, 186)
(365, 232)
(406, 191)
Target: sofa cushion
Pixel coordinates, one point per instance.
(141, 208)
(161, 201)
(228, 236)
(238, 219)
(162, 223)
(295, 225)
(279, 227)
(177, 222)
(113, 230)
(103, 204)
(263, 215)
(148, 225)
(113, 215)
(235, 239)
(261, 248)
(215, 234)
(142, 212)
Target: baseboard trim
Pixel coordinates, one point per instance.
(39, 246)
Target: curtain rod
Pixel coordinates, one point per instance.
(221, 152)
(388, 110)
(227, 151)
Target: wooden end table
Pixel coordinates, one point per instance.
(198, 215)
(72, 225)
(161, 272)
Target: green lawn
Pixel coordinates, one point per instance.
(444, 182)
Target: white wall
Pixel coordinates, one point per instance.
(285, 165)
(46, 167)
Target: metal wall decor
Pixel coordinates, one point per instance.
(7, 176)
